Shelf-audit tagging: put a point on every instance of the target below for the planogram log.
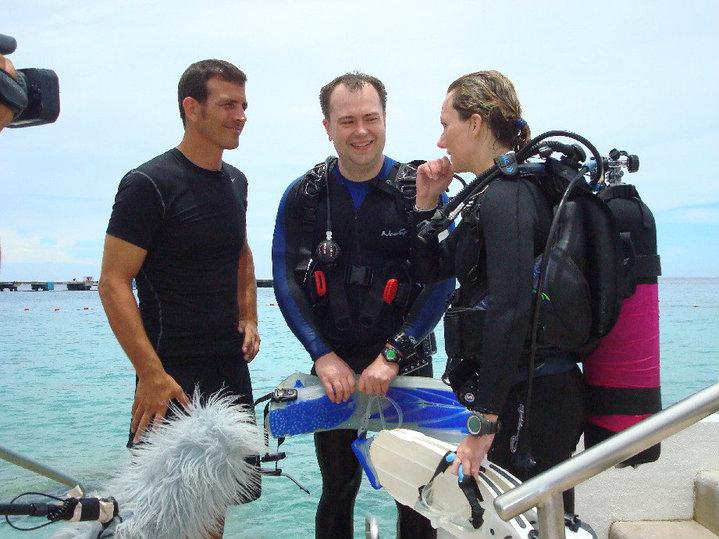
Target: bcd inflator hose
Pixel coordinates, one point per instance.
(573, 155)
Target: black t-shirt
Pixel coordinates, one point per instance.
(192, 223)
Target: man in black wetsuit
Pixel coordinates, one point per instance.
(178, 228)
(361, 312)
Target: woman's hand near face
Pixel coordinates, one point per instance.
(433, 178)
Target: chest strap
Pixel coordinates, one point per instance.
(314, 182)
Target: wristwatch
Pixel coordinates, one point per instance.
(391, 354)
(478, 425)
(404, 344)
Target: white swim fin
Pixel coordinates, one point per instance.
(407, 465)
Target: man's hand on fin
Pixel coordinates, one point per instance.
(336, 376)
(152, 398)
(470, 454)
(375, 379)
(251, 339)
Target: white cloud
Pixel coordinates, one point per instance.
(34, 248)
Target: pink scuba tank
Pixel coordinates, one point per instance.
(622, 373)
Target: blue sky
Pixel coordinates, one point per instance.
(641, 76)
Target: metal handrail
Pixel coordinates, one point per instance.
(39, 468)
(544, 490)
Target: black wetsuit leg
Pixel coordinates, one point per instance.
(556, 423)
(341, 478)
(410, 524)
(230, 375)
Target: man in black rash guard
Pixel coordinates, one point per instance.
(178, 228)
(363, 311)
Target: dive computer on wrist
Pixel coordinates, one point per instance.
(478, 425)
(391, 354)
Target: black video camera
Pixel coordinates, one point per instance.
(34, 97)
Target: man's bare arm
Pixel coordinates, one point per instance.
(121, 261)
(247, 301)
(6, 114)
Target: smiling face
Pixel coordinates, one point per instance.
(356, 127)
(221, 118)
(459, 137)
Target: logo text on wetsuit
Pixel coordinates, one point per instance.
(393, 234)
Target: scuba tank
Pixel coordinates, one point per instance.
(620, 343)
(622, 373)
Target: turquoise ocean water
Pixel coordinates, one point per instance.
(66, 391)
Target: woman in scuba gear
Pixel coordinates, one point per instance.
(492, 252)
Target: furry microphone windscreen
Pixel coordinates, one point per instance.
(185, 473)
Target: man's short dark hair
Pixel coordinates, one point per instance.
(354, 82)
(193, 82)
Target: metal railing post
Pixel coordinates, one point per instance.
(551, 517)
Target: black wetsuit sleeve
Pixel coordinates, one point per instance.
(429, 306)
(427, 309)
(292, 300)
(508, 218)
(431, 261)
(138, 210)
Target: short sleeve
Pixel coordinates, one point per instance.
(239, 185)
(138, 210)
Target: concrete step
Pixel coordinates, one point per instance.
(706, 500)
(704, 526)
(660, 529)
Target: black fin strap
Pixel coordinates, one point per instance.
(474, 496)
(469, 489)
(268, 457)
(264, 419)
(264, 398)
(441, 468)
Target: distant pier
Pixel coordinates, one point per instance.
(86, 284)
(49, 285)
(45, 286)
